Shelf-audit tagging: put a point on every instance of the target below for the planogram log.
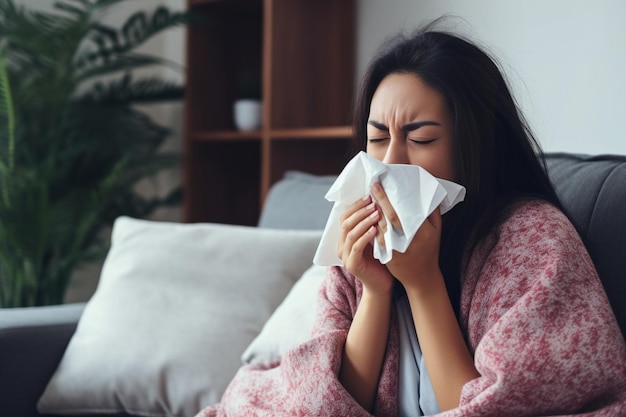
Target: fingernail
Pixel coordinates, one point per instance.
(376, 187)
(370, 206)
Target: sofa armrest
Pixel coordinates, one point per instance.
(32, 342)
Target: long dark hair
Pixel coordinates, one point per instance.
(496, 156)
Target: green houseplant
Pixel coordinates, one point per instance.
(72, 144)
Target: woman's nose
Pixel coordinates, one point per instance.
(396, 152)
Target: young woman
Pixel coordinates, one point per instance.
(495, 309)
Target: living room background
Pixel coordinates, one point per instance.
(564, 59)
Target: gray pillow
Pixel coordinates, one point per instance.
(297, 202)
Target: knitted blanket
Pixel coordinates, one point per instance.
(544, 338)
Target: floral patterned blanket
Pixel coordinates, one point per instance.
(543, 335)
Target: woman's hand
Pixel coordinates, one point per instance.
(366, 342)
(418, 266)
(358, 230)
(449, 362)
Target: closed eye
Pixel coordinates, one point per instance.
(422, 141)
(377, 140)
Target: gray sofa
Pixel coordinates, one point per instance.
(592, 188)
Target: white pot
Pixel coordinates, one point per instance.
(247, 114)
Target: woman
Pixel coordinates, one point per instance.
(494, 309)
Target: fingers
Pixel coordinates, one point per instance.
(365, 221)
(388, 210)
(381, 230)
(357, 227)
(356, 245)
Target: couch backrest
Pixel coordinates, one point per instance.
(593, 191)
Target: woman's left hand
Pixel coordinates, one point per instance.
(419, 265)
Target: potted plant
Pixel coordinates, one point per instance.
(72, 144)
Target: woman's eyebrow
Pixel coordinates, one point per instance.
(378, 125)
(407, 127)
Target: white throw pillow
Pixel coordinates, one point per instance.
(292, 322)
(175, 307)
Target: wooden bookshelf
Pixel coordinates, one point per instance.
(302, 52)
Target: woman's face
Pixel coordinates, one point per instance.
(409, 123)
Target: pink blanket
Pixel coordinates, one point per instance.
(543, 335)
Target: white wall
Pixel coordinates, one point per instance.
(564, 58)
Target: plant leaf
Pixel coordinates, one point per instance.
(7, 122)
(125, 90)
(74, 10)
(109, 44)
(122, 63)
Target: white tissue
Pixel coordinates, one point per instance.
(413, 192)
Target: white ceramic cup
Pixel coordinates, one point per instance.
(247, 114)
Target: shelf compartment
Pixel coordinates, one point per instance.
(222, 182)
(311, 62)
(224, 51)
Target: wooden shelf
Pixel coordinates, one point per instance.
(302, 54)
(333, 132)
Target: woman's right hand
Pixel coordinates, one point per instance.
(365, 345)
(358, 230)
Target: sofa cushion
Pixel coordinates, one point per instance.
(297, 202)
(291, 323)
(593, 191)
(25, 367)
(175, 308)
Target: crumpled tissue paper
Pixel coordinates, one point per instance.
(413, 192)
